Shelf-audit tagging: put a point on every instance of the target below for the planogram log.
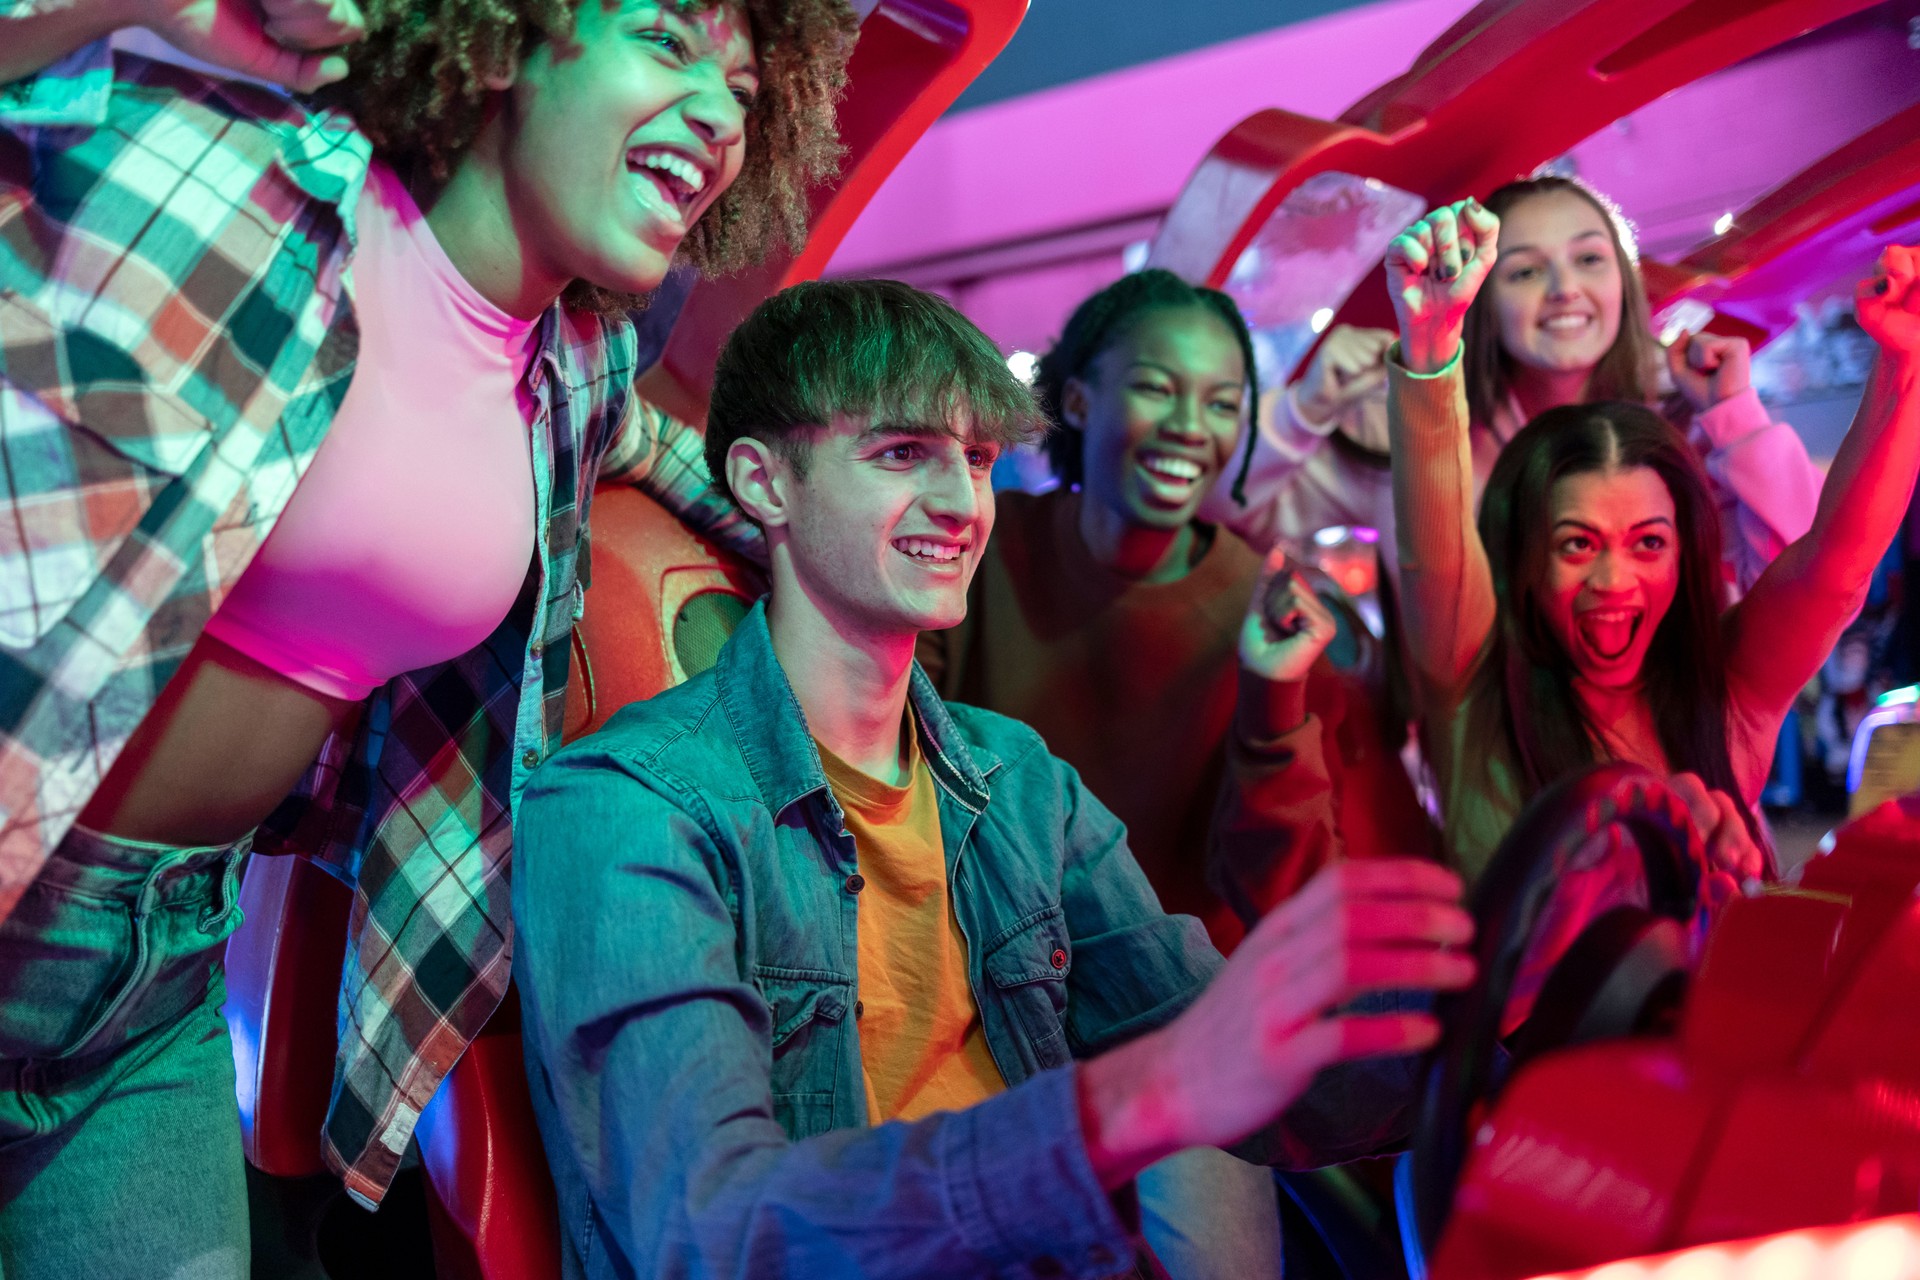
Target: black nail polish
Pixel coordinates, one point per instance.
(1880, 286)
(1444, 274)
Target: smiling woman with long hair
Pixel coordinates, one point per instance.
(1580, 621)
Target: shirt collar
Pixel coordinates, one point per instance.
(771, 729)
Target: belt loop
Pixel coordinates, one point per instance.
(214, 912)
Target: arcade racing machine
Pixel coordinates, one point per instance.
(1671, 1087)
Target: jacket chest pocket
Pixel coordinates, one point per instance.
(1028, 966)
(809, 1015)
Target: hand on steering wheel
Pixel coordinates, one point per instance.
(1735, 864)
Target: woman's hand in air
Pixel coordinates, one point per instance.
(1887, 303)
(1709, 369)
(1270, 1020)
(1434, 269)
(1350, 365)
(1734, 862)
(294, 43)
(1286, 627)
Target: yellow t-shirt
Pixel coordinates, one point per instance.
(922, 1048)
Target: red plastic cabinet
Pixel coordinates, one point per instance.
(1790, 1098)
(913, 59)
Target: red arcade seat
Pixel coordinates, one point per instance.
(663, 601)
(660, 604)
(1786, 1100)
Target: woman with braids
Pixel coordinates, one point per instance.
(1136, 639)
(1564, 320)
(1582, 619)
(302, 403)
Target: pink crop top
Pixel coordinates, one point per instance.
(411, 533)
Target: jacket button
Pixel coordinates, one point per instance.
(530, 757)
(856, 882)
(1059, 958)
(859, 1010)
(537, 649)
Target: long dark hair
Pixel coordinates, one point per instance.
(1524, 691)
(1098, 323)
(1630, 370)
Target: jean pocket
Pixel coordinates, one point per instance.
(1028, 966)
(83, 972)
(67, 962)
(809, 1012)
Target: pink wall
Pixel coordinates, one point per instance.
(1711, 148)
(1092, 164)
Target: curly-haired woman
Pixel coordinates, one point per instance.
(301, 407)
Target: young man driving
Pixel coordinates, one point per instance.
(825, 977)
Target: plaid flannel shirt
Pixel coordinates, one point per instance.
(176, 333)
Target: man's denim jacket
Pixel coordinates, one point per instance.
(685, 903)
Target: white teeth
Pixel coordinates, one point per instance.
(679, 167)
(1171, 468)
(1565, 322)
(927, 549)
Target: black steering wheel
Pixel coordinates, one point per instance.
(1623, 964)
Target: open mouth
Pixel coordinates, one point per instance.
(672, 181)
(1567, 325)
(1609, 633)
(1170, 478)
(932, 553)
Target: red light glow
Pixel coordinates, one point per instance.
(1885, 1249)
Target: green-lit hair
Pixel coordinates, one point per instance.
(867, 350)
(1103, 320)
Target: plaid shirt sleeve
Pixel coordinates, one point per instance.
(169, 360)
(666, 460)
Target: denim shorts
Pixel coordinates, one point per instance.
(116, 940)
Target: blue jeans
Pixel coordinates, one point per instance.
(119, 1134)
(1211, 1216)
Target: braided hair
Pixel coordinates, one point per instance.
(1103, 320)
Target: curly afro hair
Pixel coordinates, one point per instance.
(417, 88)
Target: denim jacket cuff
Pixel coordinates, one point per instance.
(1024, 1192)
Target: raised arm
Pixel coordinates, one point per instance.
(1274, 823)
(1297, 481)
(666, 459)
(1434, 270)
(289, 42)
(1762, 465)
(1781, 633)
